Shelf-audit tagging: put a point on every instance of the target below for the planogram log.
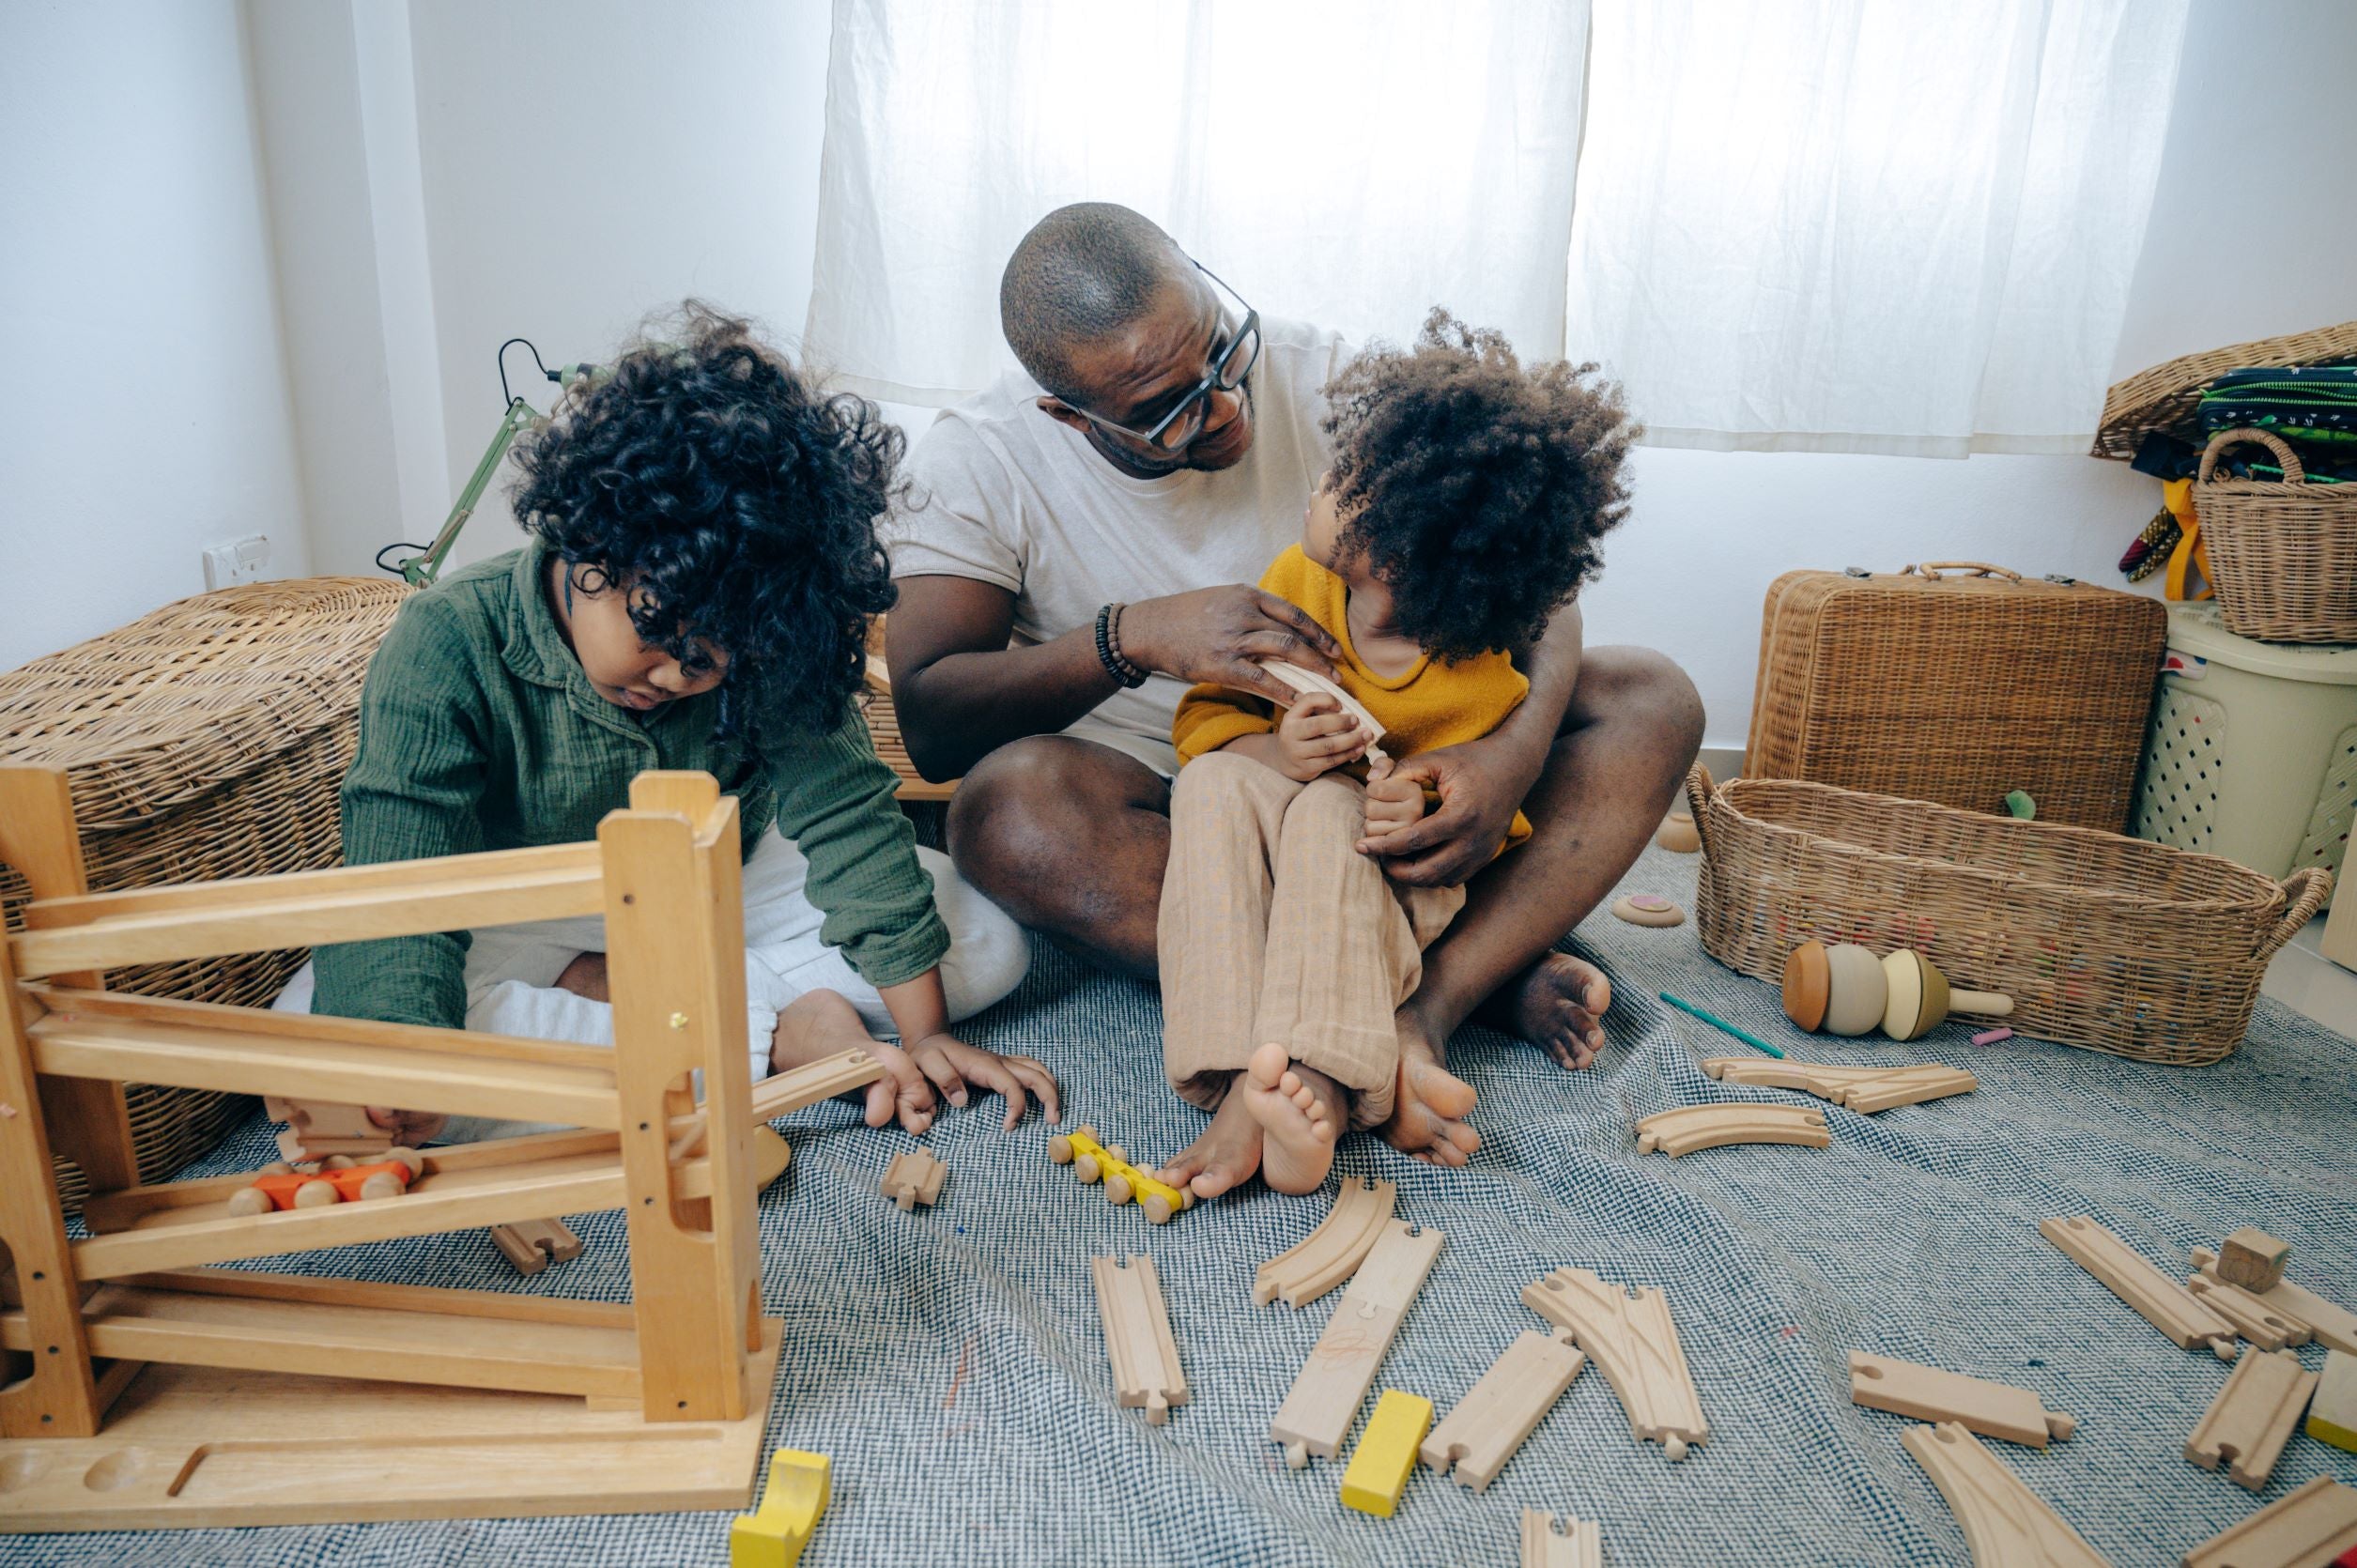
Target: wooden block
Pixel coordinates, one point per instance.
(2252, 1318)
(914, 1178)
(1931, 1393)
(2253, 1417)
(2333, 1414)
(532, 1245)
(2333, 1325)
(774, 1535)
(1327, 1255)
(2006, 1525)
(1865, 1090)
(1691, 1127)
(1380, 1466)
(1146, 1370)
(1647, 909)
(2305, 1528)
(1324, 1400)
(1547, 1543)
(1627, 1331)
(1678, 835)
(1491, 1424)
(2168, 1306)
(2253, 1259)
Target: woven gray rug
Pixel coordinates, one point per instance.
(951, 1363)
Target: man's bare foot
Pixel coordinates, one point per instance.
(1226, 1154)
(819, 1025)
(586, 976)
(1558, 1003)
(1429, 1121)
(1300, 1113)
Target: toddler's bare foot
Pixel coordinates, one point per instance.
(1300, 1113)
(1557, 1003)
(821, 1024)
(1228, 1153)
(1428, 1120)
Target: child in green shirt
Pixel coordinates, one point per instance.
(696, 595)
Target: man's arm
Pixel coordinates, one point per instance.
(960, 692)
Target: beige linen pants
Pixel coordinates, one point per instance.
(1275, 927)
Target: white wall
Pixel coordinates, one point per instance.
(146, 410)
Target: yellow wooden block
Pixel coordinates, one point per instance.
(1379, 1466)
(2333, 1415)
(790, 1511)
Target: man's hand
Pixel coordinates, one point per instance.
(1481, 785)
(1392, 802)
(1214, 634)
(1315, 736)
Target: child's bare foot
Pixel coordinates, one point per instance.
(821, 1024)
(1300, 1113)
(1226, 1154)
(1557, 1003)
(1428, 1120)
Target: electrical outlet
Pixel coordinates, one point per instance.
(228, 560)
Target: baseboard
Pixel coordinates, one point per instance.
(1724, 762)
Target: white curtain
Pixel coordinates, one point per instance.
(1867, 225)
(1351, 162)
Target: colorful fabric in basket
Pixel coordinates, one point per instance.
(2313, 404)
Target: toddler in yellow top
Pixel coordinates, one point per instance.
(1463, 509)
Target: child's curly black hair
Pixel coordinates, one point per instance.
(708, 474)
(1478, 489)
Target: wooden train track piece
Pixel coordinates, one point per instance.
(1934, 1394)
(1491, 1422)
(2252, 1318)
(2006, 1525)
(2168, 1306)
(532, 1245)
(1579, 1543)
(1626, 1331)
(2332, 1325)
(1325, 1398)
(914, 1178)
(1865, 1090)
(1146, 1370)
(1690, 1127)
(2313, 1525)
(1326, 1257)
(1308, 683)
(2253, 1417)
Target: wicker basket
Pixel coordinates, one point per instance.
(2103, 942)
(2165, 397)
(884, 728)
(2284, 554)
(204, 740)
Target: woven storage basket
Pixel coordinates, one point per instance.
(2103, 942)
(2284, 554)
(2166, 396)
(884, 727)
(205, 741)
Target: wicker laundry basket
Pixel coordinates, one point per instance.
(2284, 553)
(884, 728)
(2166, 396)
(205, 741)
(2103, 941)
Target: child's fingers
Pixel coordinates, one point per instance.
(881, 1095)
(1042, 1084)
(944, 1073)
(992, 1075)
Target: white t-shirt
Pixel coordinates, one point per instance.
(1003, 493)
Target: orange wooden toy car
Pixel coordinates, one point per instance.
(335, 1179)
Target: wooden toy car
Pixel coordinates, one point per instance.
(1094, 1161)
(336, 1179)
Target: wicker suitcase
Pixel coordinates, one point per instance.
(1958, 689)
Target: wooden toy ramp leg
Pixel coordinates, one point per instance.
(675, 938)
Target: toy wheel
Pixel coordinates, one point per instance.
(337, 1162)
(1060, 1149)
(384, 1184)
(250, 1202)
(276, 1167)
(1118, 1190)
(1087, 1168)
(1117, 1154)
(1155, 1208)
(411, 1158)
(316, 1195)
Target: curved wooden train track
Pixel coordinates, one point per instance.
(1332, 1252)
(1707, 1127)
(1627, 1331)
(2006, 1525)
(1865, 1090)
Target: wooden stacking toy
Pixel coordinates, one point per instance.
(1846, 990)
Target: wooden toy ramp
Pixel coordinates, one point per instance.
(144, 1387)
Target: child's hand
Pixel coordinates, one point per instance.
(1315, 736)
(948, 1064)
(1392, 802)
(410, 1129)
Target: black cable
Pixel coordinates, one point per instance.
(398, 545)
(507, 399)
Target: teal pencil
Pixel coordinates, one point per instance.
(1716, 1023)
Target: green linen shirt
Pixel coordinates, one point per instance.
(479, 731)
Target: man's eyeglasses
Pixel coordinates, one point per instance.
(1229, 368)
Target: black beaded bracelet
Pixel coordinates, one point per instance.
(1109, 649)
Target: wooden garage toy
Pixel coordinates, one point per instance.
(1565, 1543)
(2253, 1259)
(245, 1409)
(1865, 1090)
(2006, 1525)
(1329, 1254)
(2168, 1306)
(1934, 1394)
(2315, 1524)
(1325, 1398)
(335, 1179)
(774, 1536)
(1845, 989)
(1386, 1455)
(2330, 1323)
(1513, 1396)
(1093, 1161)
(1627, 1332)
(914, 1178)
(1146, 1370)
(2333, 1414)
(1690, 1127)
(2253, 1417)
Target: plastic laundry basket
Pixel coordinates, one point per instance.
(2253, 750)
